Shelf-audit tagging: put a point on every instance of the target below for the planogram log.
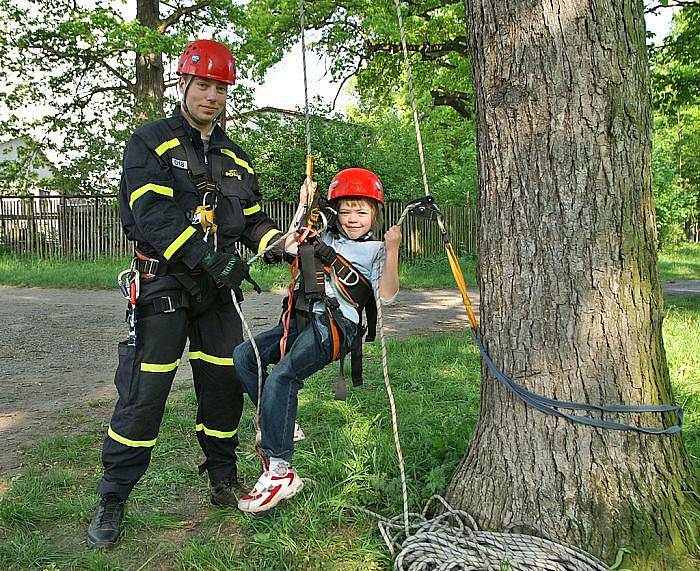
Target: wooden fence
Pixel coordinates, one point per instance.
(88, 227)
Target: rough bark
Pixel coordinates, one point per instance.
(570, 295)
(149, 86)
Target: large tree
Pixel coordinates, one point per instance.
(570, 294)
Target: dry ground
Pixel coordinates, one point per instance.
(58, 353)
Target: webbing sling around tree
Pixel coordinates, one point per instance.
(426, 209)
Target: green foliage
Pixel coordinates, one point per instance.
(675, 76)
(381, 141)
(69, 77)
(676, 174)
(675, 71)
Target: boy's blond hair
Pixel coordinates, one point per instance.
(373, 205)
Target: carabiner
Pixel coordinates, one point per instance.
(134, 286)
(123, 282)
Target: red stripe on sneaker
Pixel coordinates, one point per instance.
(273, 493)
(289, 475)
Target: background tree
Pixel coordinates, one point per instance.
(570, 294)
(675, 72)
(361, 42)
(376, 139)
(83, 76)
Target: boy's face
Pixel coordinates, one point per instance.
(356, 217)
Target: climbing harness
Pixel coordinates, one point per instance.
(307, 231)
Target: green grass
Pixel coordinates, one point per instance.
(58, 273)
(682, 342)
(102, 273)
(349, 453)
(680, 262)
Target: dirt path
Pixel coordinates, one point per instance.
(58, 351)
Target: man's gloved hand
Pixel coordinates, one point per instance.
(228, 269)
(323, 252)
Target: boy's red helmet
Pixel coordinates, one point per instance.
(210, 59)
(356, 182)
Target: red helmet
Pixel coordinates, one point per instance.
(356, 182)
(210, 59)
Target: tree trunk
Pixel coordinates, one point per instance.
(150, 85)
(571, 301)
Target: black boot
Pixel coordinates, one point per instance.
(227, 492)
(104, 527)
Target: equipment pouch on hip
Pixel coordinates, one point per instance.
(125, 371)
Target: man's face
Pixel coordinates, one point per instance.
(206, 99)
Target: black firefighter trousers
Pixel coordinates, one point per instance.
(144, 377)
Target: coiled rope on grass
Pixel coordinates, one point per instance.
(452, 541)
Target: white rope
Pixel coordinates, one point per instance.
(390, 393)
(306, 89)
(249, 333)
(452, 541)
(409, 77)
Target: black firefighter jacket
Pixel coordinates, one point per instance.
(158, 195)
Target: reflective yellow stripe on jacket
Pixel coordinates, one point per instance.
(224, 361)
(215, 433)
(265, 240)
(179, 241)
(236, 159)
(133, 443)
(139, 192)
(171, 144)
(159, 368)
(252, 210)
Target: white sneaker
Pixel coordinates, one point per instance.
(273, 486)
(298, 434)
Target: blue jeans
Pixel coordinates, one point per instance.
(308, 351)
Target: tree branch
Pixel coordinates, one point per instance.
(342, 83)
(654, 8)
(427, 51)
(178, 14)
(458, 100)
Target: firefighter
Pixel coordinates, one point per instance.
(188, 194)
